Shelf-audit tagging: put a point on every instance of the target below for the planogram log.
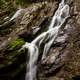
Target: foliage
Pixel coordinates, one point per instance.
(16, 44)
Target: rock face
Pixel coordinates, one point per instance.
(32, 21)
(14, 30)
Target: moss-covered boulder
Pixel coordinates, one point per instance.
(13, 60)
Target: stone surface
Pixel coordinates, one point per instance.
(35, 19)
(12, 61)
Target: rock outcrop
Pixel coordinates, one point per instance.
(33, 20)
(15, 31)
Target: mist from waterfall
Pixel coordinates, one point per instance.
(47, 37)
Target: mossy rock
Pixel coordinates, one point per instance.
(14, 62)
(12, 53)
(16, 44)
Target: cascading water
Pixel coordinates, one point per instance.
(16, 14)
(47, 37)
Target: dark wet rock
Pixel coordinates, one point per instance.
(33, 21)
(71, 51)
(62, 61)
(55, 59)
(23, 27)
(77, 77)
(12, 61)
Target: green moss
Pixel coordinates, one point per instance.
(16, 44)
(13, 49)
(12, 52)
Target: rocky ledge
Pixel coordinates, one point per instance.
(33, 20)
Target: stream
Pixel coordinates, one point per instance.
(48, 38)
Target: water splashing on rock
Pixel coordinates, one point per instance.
(47, 38)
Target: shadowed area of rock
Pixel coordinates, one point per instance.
(23, 21)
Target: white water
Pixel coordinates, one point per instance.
(18, 12)
(47, 37)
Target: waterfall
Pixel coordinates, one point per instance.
(47, 37)
(31, 66)
(18, 12)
